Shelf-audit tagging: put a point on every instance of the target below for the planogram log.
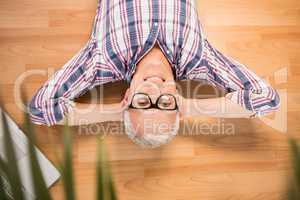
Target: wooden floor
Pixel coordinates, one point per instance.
(251, 163)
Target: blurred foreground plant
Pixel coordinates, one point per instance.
(10, 183)
(294, 187)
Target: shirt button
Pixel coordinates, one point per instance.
(168, 52)
(155, 24)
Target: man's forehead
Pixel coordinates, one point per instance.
(152, 120)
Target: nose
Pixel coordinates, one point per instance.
(149, 88)
(152, 89)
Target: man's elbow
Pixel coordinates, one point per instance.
(35, 113)
(269, 104)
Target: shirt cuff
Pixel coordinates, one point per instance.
(260, 102)
(54, 110)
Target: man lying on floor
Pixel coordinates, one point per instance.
(150, 44)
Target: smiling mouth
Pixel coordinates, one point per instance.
(154, 79)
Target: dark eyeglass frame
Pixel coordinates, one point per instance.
(154, 105)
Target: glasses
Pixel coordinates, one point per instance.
(163, 102)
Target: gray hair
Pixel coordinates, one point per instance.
(150, 140)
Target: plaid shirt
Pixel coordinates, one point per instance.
(123, 32)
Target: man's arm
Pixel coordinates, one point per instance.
(84, 114)
(54, 100)
(247, 94)
(214, 107)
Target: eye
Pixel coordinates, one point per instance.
(167, 102)
(143, 101)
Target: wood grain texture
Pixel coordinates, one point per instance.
(252, 163)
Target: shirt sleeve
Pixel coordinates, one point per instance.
(54, 99)
(243, 86)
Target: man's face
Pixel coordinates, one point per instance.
(153, 77)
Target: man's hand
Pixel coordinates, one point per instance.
(182, 104)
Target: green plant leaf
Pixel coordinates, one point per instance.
(294, 187)
(39, 185)
(99, 173)
(296, 160)
(110, 184)
(13, 175)
(112, 191)
(67, 166)
(2, 192)
(292, 193)
(105, 186)
(3, 169)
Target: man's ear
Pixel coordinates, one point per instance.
(125, 100)
(181, 103)
(181, 115)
